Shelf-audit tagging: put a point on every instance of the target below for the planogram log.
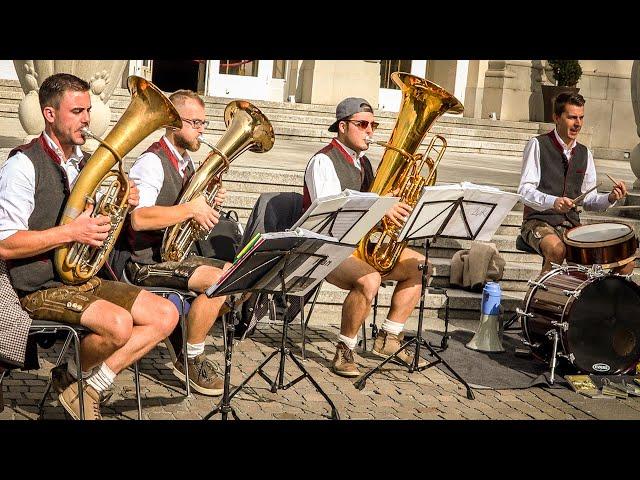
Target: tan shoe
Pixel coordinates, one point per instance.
(343, 362)
(202, 375)
(70, 400)
(386, 344)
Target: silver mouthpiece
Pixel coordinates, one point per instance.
(201, 139)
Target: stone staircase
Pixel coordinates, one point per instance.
(304, 122)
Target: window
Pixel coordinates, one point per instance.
(387, 67)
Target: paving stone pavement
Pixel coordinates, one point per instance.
(391, 394)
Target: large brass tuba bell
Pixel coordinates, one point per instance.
(423, 102)
(247, 129)
(149, 110)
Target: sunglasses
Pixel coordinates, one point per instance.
(363, 124)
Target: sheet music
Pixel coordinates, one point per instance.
(258, 268)
(492, 205)
(348, 216)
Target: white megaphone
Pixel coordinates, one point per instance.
(487, 338)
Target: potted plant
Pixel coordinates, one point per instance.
(566, 74)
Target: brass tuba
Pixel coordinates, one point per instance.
(400, 169)
(149, 110)
(247, 129)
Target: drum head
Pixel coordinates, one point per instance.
(598, 232)
(604, 326)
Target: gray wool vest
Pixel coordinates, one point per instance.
(145, 246)
(51, 194)
(554, 180)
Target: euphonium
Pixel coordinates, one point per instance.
(149, 110)
(400, 169)
(247, 129)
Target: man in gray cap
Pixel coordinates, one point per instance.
(340, 165)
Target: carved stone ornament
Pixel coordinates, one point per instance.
(103, 77)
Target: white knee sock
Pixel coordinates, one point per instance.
(73, 370)
(392, 327)
(349, 342)
(102, 379)
(194, 349)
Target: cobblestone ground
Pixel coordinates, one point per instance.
(390, 394)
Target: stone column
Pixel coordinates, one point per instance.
(103, 77)
(635, 101)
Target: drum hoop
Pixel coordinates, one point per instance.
(603, 243)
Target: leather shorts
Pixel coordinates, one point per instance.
(534, 230)
(169, 274)
(67, 303)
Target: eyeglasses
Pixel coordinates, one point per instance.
(196, 123)
(364, 124)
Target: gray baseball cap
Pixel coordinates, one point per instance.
(347, 107)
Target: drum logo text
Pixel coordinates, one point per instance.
(601, 367)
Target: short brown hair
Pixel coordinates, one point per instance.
(567, 97)
(180, 96)
(53, 88)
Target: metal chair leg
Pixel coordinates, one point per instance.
(136, 379)
(183, 320)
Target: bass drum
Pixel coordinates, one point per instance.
(597, 317)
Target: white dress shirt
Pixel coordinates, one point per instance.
(18, 187)
(530, 179)
(321, 177)
(148, 174)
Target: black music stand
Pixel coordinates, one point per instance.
(421, 227)
(276, 271)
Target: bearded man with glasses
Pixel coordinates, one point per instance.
(160, 174)
(342, 164)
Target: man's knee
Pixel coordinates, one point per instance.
(166, 316)
(555, 250)
(369, 285)
(120, 327)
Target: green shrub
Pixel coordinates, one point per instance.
(566, 72)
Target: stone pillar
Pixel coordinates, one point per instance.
(103, 77)
(512, 90)
(326, 82)
(635, 101)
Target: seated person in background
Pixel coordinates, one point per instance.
(160, 173)
(342, 164)
(555, 170)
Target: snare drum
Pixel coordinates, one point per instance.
(607, 244)
(597, 317)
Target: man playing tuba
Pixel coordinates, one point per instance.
(160, 174)
(35, 183)
(342, 164)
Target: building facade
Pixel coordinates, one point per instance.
(507, 90)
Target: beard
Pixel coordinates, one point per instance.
(192, 146)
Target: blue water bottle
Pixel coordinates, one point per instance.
(487, 339)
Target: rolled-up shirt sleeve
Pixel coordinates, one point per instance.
(321, 177)
(17, 192)
(148, 175)
(530, 179)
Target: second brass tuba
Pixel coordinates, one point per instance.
(149, 110)
(247, 129)
(423, 102)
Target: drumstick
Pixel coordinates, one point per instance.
(581, 197)
(615, 182)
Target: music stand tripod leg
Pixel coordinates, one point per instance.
(224, 407)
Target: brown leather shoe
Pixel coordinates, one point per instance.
(343, 362)
(386, 344)
(61, 378)
(70, 400)
(202, 375)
